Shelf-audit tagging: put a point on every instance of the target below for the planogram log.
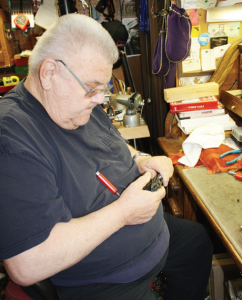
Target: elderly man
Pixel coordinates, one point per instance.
(57, 219)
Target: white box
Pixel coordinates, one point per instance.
(223, 268)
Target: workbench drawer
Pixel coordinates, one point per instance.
(232, 101)
(173, 201)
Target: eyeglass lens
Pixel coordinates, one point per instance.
(98, 91)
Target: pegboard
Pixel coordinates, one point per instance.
(27, 43)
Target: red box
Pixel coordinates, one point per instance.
(22, 61)
(199, 104)
(5, 89)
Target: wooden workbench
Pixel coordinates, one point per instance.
(219, 196)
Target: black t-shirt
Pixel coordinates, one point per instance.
(48, 175)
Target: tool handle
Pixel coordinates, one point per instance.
(230, 152)
(234, 160)
(238, 176)
(106, 182)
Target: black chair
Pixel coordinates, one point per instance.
(45, 289)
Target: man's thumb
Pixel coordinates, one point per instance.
(144, 179)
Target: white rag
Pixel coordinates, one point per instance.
(207, 136)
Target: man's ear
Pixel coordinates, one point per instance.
(48, 69)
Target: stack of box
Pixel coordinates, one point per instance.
(195, 106)
(21, 64)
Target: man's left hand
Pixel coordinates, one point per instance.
(157, 164)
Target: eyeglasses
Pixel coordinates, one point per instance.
(90, 93)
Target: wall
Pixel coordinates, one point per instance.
(204, 29)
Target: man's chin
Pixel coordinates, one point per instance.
(81, 121)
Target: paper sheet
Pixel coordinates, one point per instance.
(196, 31)
(191, 65)
(47, 14)
(195, 49)
(188, 4)
(220, 50)
(228, 2)
(208, 60)
(206, 4)
(193, 15)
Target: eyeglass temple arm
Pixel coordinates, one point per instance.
(74, 75)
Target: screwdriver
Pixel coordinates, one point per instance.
(238, 175)
(107, 183)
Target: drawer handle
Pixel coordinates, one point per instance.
(174, 208)
(175, 184)
(234, 105)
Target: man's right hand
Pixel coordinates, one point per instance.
(137, 205)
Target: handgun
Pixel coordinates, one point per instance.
(154, 184)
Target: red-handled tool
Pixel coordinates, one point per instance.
(238, 175)
(107, 183)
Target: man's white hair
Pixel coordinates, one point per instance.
(66, 38)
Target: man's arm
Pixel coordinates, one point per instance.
(68, 243)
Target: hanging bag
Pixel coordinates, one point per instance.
(160, 62)
(178, 34)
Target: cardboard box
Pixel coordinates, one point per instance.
(22, 61)
(223, 268)
(21, 69)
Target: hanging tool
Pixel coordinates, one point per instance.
(232, 152)
(107, 183)
(84, 4)
(238, 175)
(109, 109)
(90, 9)
(21, 21)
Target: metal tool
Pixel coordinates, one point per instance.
(133, 101)
(238, 175)
(84, 4)
(232, 152)
(107, 183)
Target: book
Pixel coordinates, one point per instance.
(201, 113)
(189, 128)
(201, 103)
(201, 121)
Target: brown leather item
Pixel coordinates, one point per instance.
(232, 101)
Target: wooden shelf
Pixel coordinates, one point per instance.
(130, 133)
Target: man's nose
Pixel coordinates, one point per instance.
(98, 98)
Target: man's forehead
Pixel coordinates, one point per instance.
(98, 76)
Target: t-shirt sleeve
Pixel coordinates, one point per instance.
(30, 202)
